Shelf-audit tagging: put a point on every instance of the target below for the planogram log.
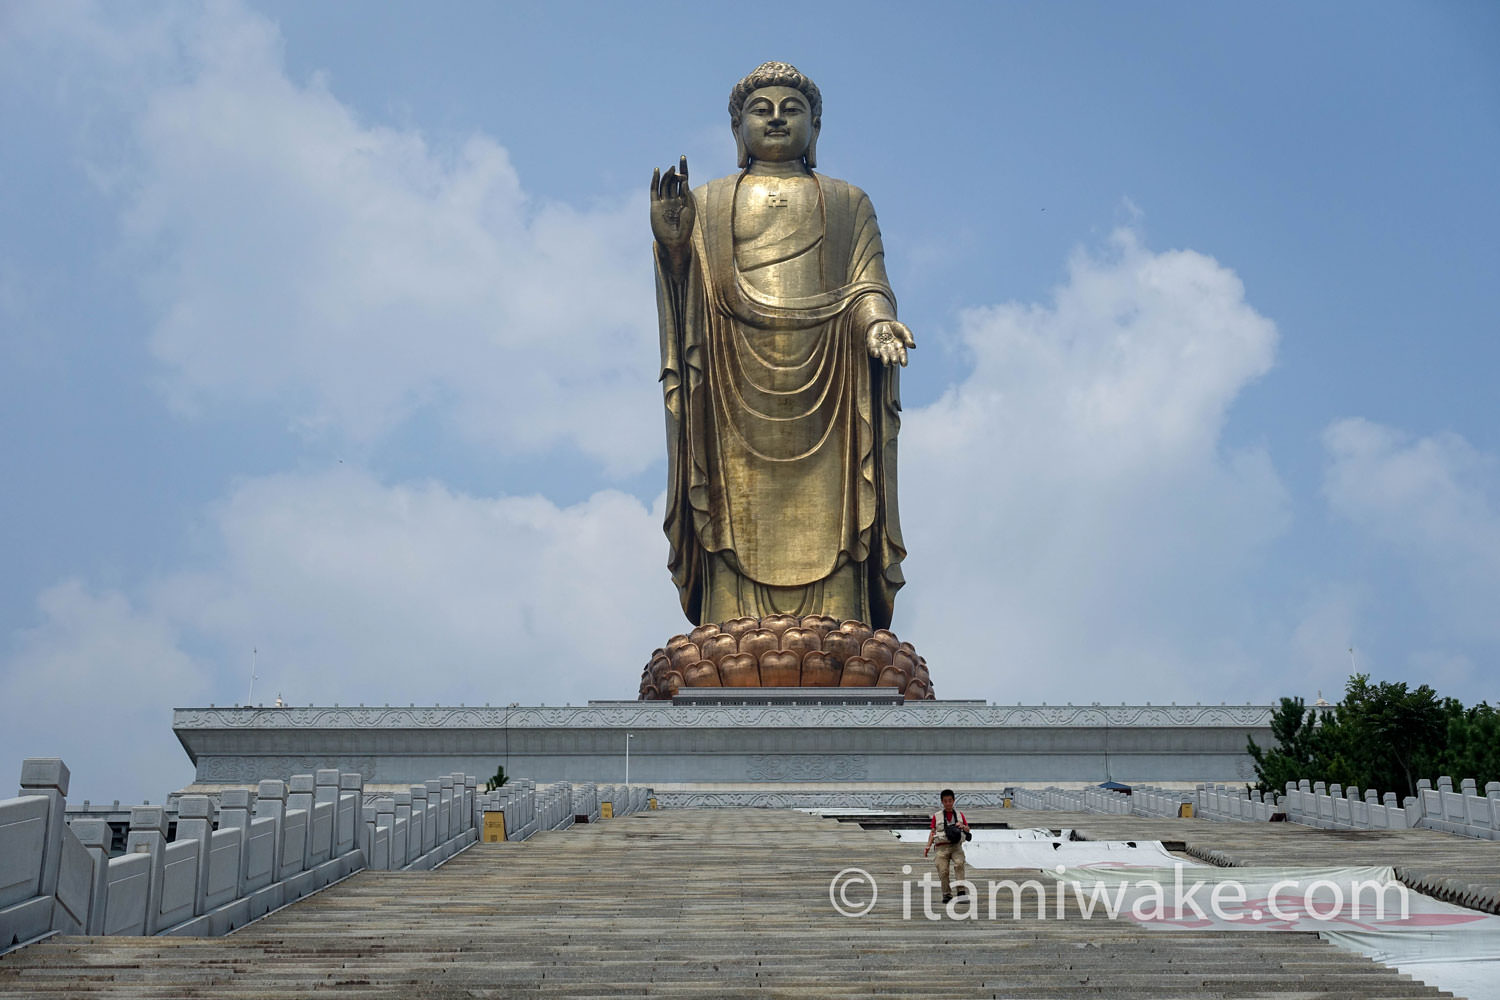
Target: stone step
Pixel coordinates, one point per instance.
(690, 903)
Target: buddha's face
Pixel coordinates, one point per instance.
(776, 124)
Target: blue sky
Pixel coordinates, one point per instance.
(328, 331)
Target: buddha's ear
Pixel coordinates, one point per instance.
(812, 147)
(739, 146)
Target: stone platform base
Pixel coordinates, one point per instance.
(771, 738)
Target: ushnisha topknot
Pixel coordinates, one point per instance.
(774, 74)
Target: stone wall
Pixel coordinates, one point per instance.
(250, 852)
(821, 738)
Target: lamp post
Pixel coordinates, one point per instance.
(628, 738)
(514, 704)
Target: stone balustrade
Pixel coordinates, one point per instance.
(1464, 812)
(1233, 804)
(420, 828)
(1148, 800)
(1099, 800)
(530, 808)
(231, 861)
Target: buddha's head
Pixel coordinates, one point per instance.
(776, 113)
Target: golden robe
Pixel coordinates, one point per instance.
(781, 429)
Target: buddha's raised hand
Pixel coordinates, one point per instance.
(672, 209)
(889, 341)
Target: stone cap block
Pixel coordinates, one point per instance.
(45, 772)
(1445, 782)
(92, 832)
(148, 818)
(351, 782)
(419, 792)
(273, 789)
(446, 781)
(194, 807)
(434, 785)
(234, 798)
(326, 776)
(403, 798)
(303, 783)
(385, 805)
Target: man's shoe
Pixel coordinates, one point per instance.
(962, 890)
(947, 897)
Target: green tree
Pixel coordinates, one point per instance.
(1293, 757)
(1382, 736)
(1387, 733)
(1472, 744)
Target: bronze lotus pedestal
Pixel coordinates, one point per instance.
(786, 651)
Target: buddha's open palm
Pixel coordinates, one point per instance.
(889, 341)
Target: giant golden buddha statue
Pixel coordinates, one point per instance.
(780, 359)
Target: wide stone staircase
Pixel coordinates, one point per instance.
(717, 903)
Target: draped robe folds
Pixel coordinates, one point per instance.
(781, 429)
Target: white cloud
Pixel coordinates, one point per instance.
(1077, 529)
(1433, 501)
(95, 683)
(356, 591)
(350, 275)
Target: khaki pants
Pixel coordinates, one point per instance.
(946, 854)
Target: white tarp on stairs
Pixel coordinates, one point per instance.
(1036, 849)
(1365, 909)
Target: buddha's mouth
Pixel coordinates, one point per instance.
(777, 131)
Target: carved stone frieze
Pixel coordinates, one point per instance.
(806, 767)
(250, 769)
(611, 715)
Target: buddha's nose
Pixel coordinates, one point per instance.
(778, 120)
